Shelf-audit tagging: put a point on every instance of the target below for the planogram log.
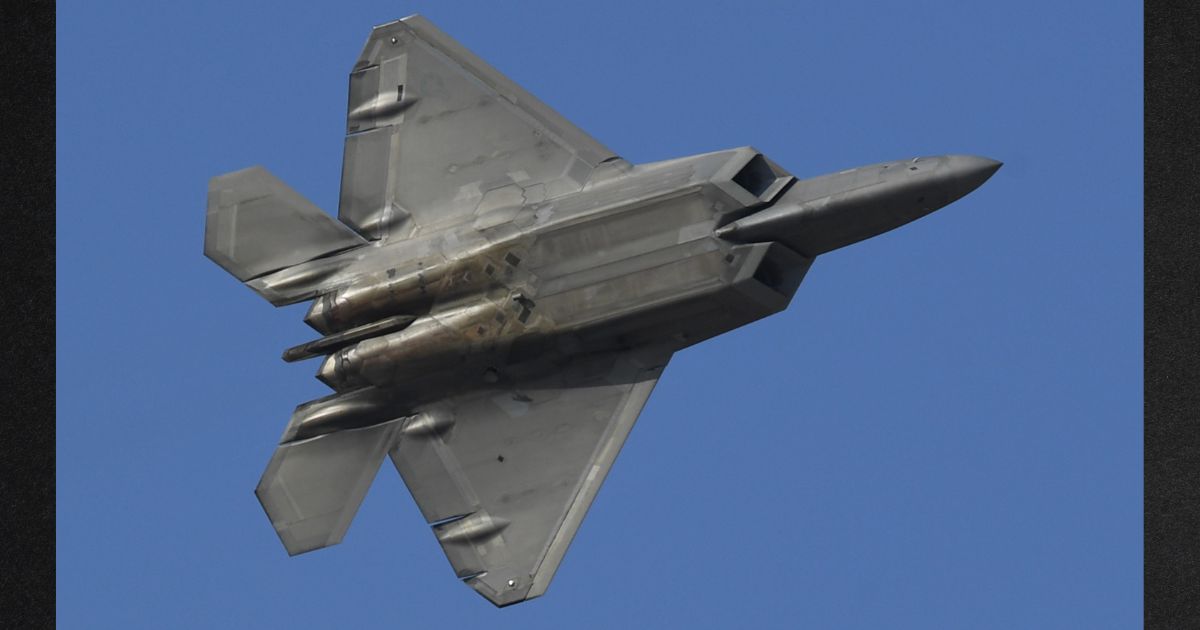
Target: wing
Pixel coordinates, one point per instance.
(506, 476)
(435, 134)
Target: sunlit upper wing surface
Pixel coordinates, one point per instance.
(435, 134)
(506, 475)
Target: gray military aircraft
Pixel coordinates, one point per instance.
(501, 292)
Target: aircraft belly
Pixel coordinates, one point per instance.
(683, 293)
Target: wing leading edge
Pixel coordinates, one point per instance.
(506, 476)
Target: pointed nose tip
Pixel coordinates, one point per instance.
(970, 171)
(974, 166)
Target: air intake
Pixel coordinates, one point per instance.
(756, 176)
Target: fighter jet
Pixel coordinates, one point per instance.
(500, 293)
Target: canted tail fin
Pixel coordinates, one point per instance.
(257, 225)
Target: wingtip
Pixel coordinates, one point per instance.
(512, 590)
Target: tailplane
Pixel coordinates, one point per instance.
(312, 488)
(257, 225)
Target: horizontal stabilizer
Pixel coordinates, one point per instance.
(312, 488)
(257, 224)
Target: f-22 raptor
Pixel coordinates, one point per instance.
(500, 293)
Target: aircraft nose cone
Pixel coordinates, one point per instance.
(969, 172)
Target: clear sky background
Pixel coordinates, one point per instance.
(943, 431)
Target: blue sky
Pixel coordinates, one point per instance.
(944, 430)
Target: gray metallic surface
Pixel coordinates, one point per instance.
(434, 135)
(514, 295)
(337, 341)
(513, 468)
(256, 224)
(824, 213)
(312, 488)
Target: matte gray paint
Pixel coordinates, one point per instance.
(509, 294)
